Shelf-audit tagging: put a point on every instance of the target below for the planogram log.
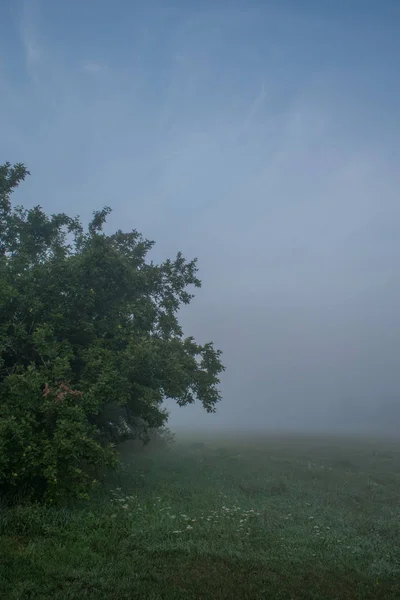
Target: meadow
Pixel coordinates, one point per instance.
(245, 516)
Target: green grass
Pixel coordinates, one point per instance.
(267, 517)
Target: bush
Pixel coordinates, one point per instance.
(90, 346)
(48, 448)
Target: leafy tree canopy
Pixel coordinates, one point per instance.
(90, 344)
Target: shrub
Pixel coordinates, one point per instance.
(90, 345)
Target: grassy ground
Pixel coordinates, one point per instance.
(267, 518)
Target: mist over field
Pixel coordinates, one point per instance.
(263, 139)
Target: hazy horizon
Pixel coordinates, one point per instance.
(260, 138)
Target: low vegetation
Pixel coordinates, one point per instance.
(249, 518)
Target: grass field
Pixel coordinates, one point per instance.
(263, 517)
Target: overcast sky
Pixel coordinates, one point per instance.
(261, 137)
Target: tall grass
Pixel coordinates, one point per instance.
(261, 517)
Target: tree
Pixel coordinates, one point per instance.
(90, 345)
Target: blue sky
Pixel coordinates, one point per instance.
(261, 137)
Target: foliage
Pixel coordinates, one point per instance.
(90, 344)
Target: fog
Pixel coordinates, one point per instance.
(261, 139)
